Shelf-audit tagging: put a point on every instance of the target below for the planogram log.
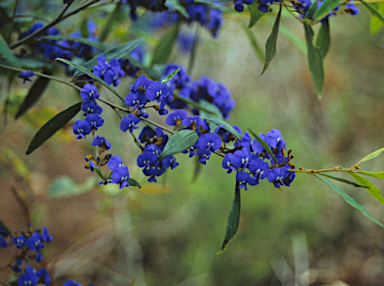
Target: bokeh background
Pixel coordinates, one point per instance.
(168, 233)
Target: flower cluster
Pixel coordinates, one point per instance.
(109, 72)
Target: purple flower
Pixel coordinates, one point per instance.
(175, 118)
(35, 242)
(194, 121)
(120, 175)
(43, 273)
(71, 283)
(241, 158)
(81, 128)
(25, 75)
(277, 176)
(19, 241)
(101, 142)
(29, 278)
(89, 93)
(115, 162)
(95, 120)
(135, 98)
(153, 172)
(209, 141)
(91, 107)
(102, 66)
(275, 139)
(45, 235)
(159, 92)
(147, 160)
(243, 178)
(129, 122)
(226, 163)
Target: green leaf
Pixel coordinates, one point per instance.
(89, 73)
(371, 188)
(350, 200)
(293, 38)
(200, 106)
(4, 227)
(371, 156)
(208, 109)
(315, 61)
(180, 141)
(63, 187)
(197, 169)
(33, 96)
(270, 46)
(84, 28)
(325, 8)
(378, 175)
(193, 52)
(343, 180)
(133, 183)
(256, 14)
(233, 219)
(107, 28)
(53, 125)
(312, 9)
(225, 126)
(376, 23)
(164, 47)
(170, 76)
(215, 5)
(323, 40)
(373, 11)
(85, 41)
(7, 54)
(256, 47)
(265, 145)
(175, 5)
(118, 52)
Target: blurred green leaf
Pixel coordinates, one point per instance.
(18, 164)
(84, 28)
(373, 11)
(7, 54)
(170, 76)
(52, 126)
(4, 227)
(311, 11)
(33, 96)
(265, 145)
(34, 63)
(197, 169)
(326, 7)
(62, 187)
(225, 126)
(378, 175)
(342, 180)
(85, 41)
(164, 47)
(270, 46)
(323, 40)
(208, 109)
(286, 32)
(200, 106)
(350, 200)
(256, 14)
(89, 73)
(256, 47)
(133, 183)
(107, 28)
(233, 219)
(376, 23)
(118, 52)
(371, 156)
(315, 61)
(214, 5)
(371, 188)
(180, 141)
(193, 52)
(175, 5)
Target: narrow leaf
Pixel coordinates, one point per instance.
(256, 47)
(53, 125)
(311, 11)
(4, 227)
(315, 61)
(323, 40)
(7, 54)
(170, 76)
(225, 126)
(180, 141)
(193, 52)
(343, 180)
(164, 47)
(326, 7)
(378, 175)
(371, 188)
(89, 73)
(350, 200)
(376, 23)
(256, 14)
(299, 43)
(233, 219)
(373, 11)
(175, 5)
(371, 156)
(107, 28)
(197, 169)
(118, 52)
(33, 96)
(265, 145)
(270, 46)
(85, 41)
(133, 183)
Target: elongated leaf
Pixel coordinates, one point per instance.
(164, 48)
(270, 46)
(325, 8)
(89, 73)
(311, 11)
(371, 188)
(7, 54)
(315, 61)
(133, 183)
(371, 156)
(33, 96)
(225, 126)
(256, 14)
(265, 145)
(376, 23)
(196, 105)
(52, 126)
(299, 43)
(343, 180)
(193, 52)
(323, 40)
(378, 175)
(196, 169)
(233, 219)
(117, 52)
(84, 41)
(256, 47)
(179, 142)
(170, 76)
(108, 27)
(4, 227)
(350, 200)
(373, 11)
(175, 5)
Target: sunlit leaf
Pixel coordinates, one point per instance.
(180, 141)
(170, 76)
(378, 175)
(371, 188)
(373, 11)
(371, 156)
(376, 23)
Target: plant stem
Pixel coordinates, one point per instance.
(335, 169)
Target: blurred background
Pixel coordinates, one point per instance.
(168, 233)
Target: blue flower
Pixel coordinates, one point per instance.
(153, 172)
(43, 273)
(91, 107)
(25, 75)
(175, 118)
(129, 122)
(159, 92)
(19, 241)
(147, 160)
(35, 242)
(193, 122)
(101, 142)
(241, 158)
(185, 42)
(45, 235)
(29, 278)
(95, 120)
(115, 162)
(120, 175)
(81, 128)
(209, 141)
(275, 139)
(89, 93)
(3, 242)
(16, 266)
(243, 178)
(277, 176)
(226, 163)
(102, 66)
(71, 283)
